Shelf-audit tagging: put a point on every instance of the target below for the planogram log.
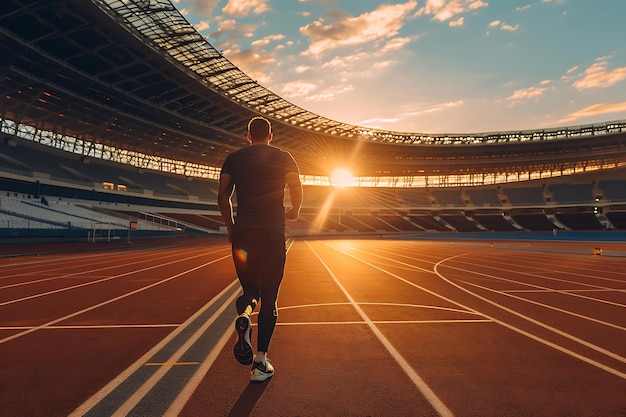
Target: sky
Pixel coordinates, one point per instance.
(430, 66)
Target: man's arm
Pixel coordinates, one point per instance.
(224, 192)
(295, 193)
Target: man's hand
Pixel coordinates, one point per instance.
(292, 214)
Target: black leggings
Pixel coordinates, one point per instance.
(259, 257)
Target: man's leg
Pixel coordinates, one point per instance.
(247, 302)
(271, 278)
(272, 267)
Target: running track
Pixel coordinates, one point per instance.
(366, 328)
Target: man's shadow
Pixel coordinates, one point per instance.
(249, 397)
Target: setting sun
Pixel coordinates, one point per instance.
(341, 177)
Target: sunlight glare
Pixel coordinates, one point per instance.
(341, 177)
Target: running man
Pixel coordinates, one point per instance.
(257, 175)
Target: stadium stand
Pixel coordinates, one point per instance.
(524, 195)
(579, 218)
(614, 190)
(572, 193)
(494, 220)
(460, 222)
(617, 217)
(532, 219)
(109, 132)
(446, 197)
(484, 196)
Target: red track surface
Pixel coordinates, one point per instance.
(366, 328)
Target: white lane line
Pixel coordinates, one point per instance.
(65, 266)
(128, 372)
(313, 323)
(541, 287)
(547, 306)
(97, 281)
(142, 391)
(507, 325)
(563, 290)
(181, 400)
(426, 391)
(92, 326)
(538, 323)
(112, 300)
(428, 307)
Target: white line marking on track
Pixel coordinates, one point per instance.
(188, 390)
(91, 326)
(312, 323)
(429, 307)
(507, 325)
(111, 300)
(97, 281)
(107, 389)
(538, 323)
(560, 310)
(426, 391)
(138, 395)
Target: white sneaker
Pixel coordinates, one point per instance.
(261, 371)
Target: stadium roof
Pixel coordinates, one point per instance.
(136, 75)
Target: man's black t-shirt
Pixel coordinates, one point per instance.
(258, 173)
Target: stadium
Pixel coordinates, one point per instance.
(117, 115)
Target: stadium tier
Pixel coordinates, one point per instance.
(118, 115)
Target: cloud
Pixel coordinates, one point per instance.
(503, 26)
(307, 91)
(599, 76)
(509, 28)
(396, 43)
(443, 10)
(202, 7)
(596, 110)
(458, 22)
(524, 94)
(408, 114)
(241, 8)
(250, 61)
(301, 68)
(443, 106)
(384, 22)
(298, 89)
(378, 122)
(202, 25)
(267, 40)
(232, 31)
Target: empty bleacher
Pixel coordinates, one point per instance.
(579, 218)
(493, 220)
(572, 193)
(397, 220)
(448, 197)
(413, 197)
(614, 190)
(533, 220)
(426, 221)
(483, 196)
(617, 216)
(459, 222)
(524, 195)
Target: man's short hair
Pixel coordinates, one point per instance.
(259, 128)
